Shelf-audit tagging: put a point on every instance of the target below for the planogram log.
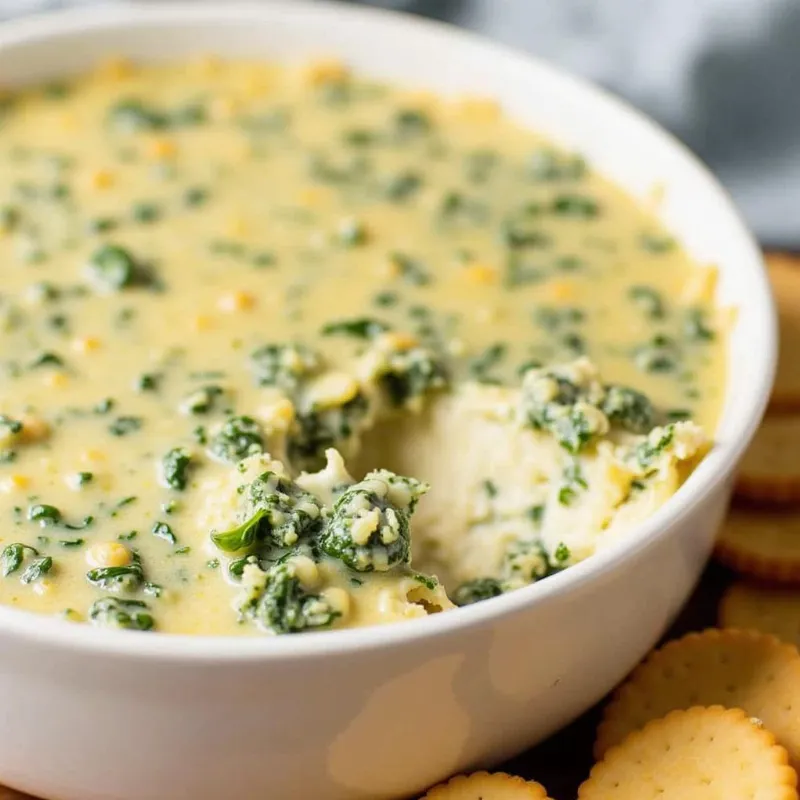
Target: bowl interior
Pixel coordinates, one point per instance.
(617, 141)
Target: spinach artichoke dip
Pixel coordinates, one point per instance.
(286, 350)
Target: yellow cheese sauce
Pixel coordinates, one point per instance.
(165, 231)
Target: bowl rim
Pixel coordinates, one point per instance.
(715, 468)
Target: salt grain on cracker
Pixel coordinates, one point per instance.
(761, 544)
(762, 608)
(487, 786)
(770, 469)
(694, 754)
(736, 669)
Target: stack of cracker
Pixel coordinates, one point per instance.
(761, 539)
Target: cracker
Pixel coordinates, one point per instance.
(770, 469)
(784, 273)
(736, 669)
(695, 754)
(762, 608)
(762, 544)
(487, 786)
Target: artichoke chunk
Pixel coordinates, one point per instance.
(369, 527)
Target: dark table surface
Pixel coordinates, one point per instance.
(563, 762)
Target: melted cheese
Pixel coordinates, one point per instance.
(262, 204)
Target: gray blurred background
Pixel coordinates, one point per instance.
(723, 75)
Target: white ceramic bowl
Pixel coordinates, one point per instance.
(372, 713)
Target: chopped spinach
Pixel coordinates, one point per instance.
(392, 498)
(133, 115)
(628, 408)
(113, 268)
(163, 531)
(147, 382)
(649, 300)
(9, 426)
(575, 205)
(412, 270)
(175, 467)
(476, 590)
(276, 511)
(409, 123)
(660, 354)
(125, 578)
(202, 400)
(38, 568)
(571, 483)
(696, 328)
(659, 439)
(114, 612)
(123, 426)
(481, 366)
(285, 606)
(238, 438)
(13, 556)
(284, 365)
(351, 233)
(401, 186)
(358, 328)
(546, 164)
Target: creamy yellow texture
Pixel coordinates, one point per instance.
(260, 204)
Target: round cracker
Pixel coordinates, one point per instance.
(784, 274)
(736, 669)
(770, 469)
(762, 544)
(694, 754)
(762, 608)
(485, 785)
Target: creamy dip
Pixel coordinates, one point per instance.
(235, 296)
